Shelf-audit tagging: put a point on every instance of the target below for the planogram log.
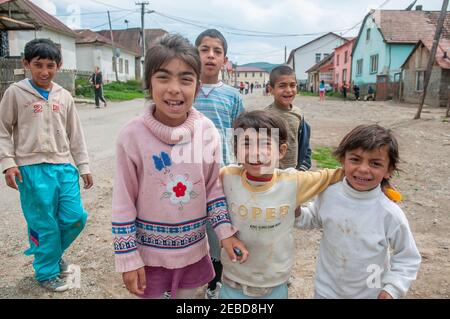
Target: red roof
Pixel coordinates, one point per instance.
(400, 26)
(130, 38)
(442, 52)
(38, 17)
(87, 36)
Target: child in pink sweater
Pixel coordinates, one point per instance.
(166, 187)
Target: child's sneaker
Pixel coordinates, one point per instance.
(55, 284)
(64, 269)
(213, 294)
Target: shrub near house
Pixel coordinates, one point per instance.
(115, 91)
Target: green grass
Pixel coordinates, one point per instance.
(304, 93)
(115, 91)
(324, 158)
(328, 94)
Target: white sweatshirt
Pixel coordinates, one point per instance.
(264, 215)
(359, 230)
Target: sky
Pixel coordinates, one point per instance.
(256, 30)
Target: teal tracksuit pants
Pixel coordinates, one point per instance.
(51, 203)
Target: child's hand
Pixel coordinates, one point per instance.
(135, 281)
(232, 245)
(87, 179)
(10, 177)
(384, 295)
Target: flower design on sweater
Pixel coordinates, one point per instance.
(179, 190)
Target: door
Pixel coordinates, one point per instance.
(382, 88)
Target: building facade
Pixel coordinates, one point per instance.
(306, 56)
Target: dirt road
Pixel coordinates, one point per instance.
(424, 183)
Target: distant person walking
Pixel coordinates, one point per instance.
(322, 91)
(251, 87)
(97, 81)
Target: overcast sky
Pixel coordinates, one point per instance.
(252, 27)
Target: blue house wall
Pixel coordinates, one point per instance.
(391, 56)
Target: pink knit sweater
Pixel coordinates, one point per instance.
(160, 204)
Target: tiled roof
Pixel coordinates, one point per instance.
(400, 26)
(129, 38)
(442, 52)
(36, 16)
(87, 36)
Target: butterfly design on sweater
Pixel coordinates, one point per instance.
(162, 162)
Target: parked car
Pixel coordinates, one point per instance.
(328, 87)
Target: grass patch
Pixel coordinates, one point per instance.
(307, 93)
(324, 158)
(115, 91)
(327, 94)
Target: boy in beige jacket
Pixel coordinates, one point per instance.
(39, 129)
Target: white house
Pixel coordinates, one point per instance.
(93, 50)
(48, 26)
(309, 54)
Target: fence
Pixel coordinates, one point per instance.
(11, 71)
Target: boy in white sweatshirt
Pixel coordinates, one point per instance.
(39, 130)
(262, 200)
(367, 249)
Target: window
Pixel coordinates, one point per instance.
(253, 74)
(368, 35)
(245, 74)
(374, 63)
(120, 65)
(344, 75)
(345, 56)
(318, 56)
(114, 64)
(126, 67)
(359, 67)
(260, 74)
(420, 75)
(337, 60)
(325, 55)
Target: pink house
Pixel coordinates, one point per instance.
(342, 64)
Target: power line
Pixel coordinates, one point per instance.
(121, 17)
(199, 24)
(108, 5)
(85, 13)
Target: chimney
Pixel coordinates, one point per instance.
(419, 8)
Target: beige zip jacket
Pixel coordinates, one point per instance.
(33, 130)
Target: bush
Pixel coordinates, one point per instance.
(119, 91)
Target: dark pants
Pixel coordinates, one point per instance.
(99, 96)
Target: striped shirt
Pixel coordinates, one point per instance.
(221, 104)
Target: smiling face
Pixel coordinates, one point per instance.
(365, 170)
(213, 59)
(42, 71)
(258, 152)
(284, 90)
(173, 86)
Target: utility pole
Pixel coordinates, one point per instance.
(432, 57)
(113, 49)
(142, 4)
(285, 54)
